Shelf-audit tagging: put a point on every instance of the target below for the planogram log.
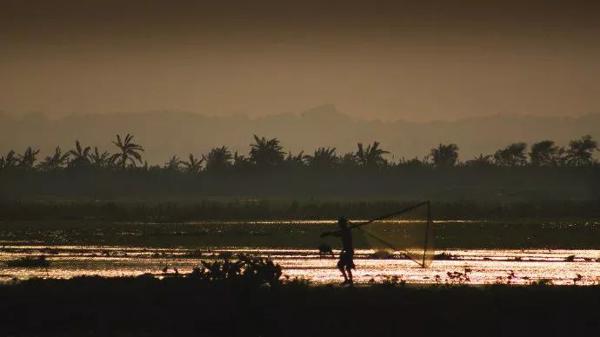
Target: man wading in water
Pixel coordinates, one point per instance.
(346, 262)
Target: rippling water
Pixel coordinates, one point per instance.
(464, 266)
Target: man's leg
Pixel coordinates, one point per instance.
(341, 268)
(349, 271)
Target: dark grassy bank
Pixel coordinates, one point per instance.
(146, 306)
(277, 209)
(489, 183)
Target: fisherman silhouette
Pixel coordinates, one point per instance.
(346, 262)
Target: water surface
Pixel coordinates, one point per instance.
(476, 266)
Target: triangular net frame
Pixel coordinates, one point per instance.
(408, 231)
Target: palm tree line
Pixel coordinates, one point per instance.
(268, 153)
(129, 153)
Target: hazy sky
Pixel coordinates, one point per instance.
(415, 60)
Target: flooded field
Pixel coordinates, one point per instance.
(487, 266)
(470, 252)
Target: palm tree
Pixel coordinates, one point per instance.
(101, 160)
(10, 160)
(193, 165)
(266, 153)
(512, 155)
(445, 155)
(372, 156)
(173, 164)
(414, 163)
(292, 160)
(219, 159)
(545, 153)
(322, 158)
(130, 151)
(240, 162)
(54, 161)
(81, 155)
(580, 151)
(348, 160)
(28, 158)
(480, 161)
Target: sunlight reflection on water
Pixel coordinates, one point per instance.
(469, 266)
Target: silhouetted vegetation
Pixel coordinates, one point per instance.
(547, 171)
(147, 306)
(245, 270)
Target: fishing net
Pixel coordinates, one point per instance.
(408, 231)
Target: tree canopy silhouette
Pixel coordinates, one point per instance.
(445, 155)
(130, 151)
(360, 173)
(54, 161)
(28, 158)
(10, 160)
(101, 159)
(581, 150)
(193, 165)
(266, 153)
(545, 153)
(218, 159)
(480, 161)
(512, 155)
(173, 164)
(323, 158)
(371, 156)
(80, 156)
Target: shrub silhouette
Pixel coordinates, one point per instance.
(247, 270)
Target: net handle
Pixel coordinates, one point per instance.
(404, 210)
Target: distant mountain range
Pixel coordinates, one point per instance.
(166, 133)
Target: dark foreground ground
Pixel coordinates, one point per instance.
(146, 306)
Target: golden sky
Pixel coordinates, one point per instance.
(413, 60)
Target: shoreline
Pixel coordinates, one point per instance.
(263, 209)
